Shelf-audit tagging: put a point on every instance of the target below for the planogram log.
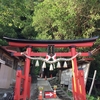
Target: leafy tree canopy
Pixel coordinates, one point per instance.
(66, 19)
(16, 19)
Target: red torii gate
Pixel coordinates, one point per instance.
(78, 85)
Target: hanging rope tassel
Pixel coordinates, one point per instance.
(51, 67)
(65, 64)
(37, 63)
(44, 65)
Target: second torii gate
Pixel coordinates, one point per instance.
(78, 85)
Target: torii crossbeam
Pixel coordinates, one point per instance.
(78, 85)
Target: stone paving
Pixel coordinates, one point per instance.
(3, 91)
(34, 89)
(46, 87)
(34, 92)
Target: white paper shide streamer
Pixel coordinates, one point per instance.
(65, 64)
(37, 63)
(54, 66)
(44, 65)
(58, 65)
(51, 67)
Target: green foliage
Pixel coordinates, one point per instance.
(98, 98)
(15, 12)
(63, 19)
(16, 19)
(95, 65)
(91, 98)
(90, 14)
(70, 94)
(54, 19)
(36, 71)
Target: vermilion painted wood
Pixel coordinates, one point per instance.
(18, 85)
(27, 80)
(76, 93)
(88, 44)
(26, 73)
(29, 87)
(82, 85)
(56, 43)
(73, 89)
(77, 79)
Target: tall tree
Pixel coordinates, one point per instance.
(16, 19)
(66, 19)
(53, 19)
